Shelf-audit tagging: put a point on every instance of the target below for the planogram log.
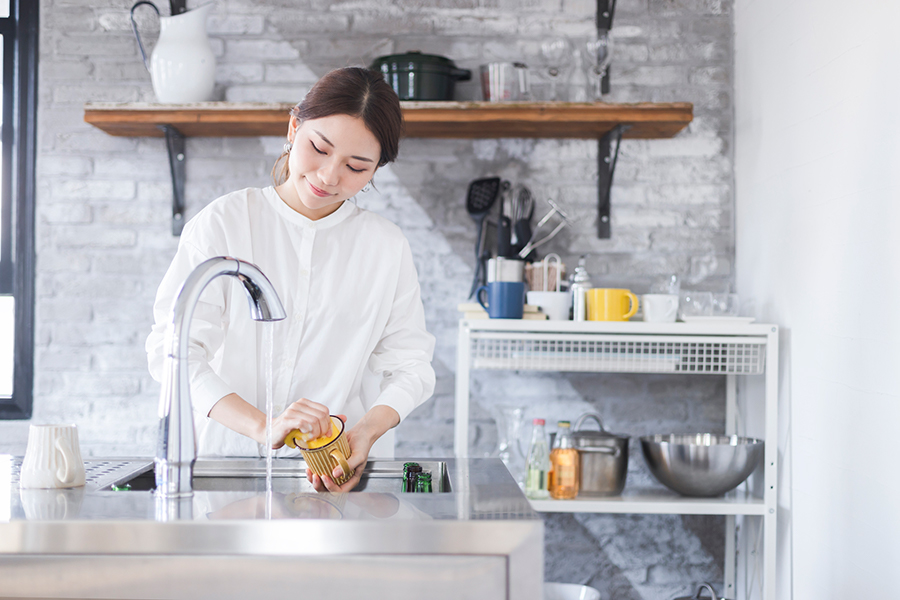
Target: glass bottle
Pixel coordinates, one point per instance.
(413, 478)
(581, 283)
(536, 486)
(563, 478)
(404, 485)
(423, 482)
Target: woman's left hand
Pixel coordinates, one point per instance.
(360, 443)
(361, 436)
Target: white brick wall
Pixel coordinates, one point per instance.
(104, 209)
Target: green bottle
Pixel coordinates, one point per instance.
(423, 482)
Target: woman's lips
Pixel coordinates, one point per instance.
(318, 192)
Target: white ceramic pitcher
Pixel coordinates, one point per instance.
(182, 66)
(52, 458)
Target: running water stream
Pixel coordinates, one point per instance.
(267, 371)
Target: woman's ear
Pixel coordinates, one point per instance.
(293, 126)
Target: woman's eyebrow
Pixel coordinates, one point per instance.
(327, 141)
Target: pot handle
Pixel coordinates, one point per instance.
(709, 587)
(135, 30)
(586, 416)
(461, 74)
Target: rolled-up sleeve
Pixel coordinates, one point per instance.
(208, 329)
(404, 352)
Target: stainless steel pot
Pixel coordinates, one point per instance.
(604, 459)
(698, 596)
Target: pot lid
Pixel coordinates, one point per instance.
(415, 56)
(589, 437)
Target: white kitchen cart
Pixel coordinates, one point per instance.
(719, 348)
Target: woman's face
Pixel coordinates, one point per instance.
(331, 160)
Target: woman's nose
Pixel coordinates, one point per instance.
(329, 174)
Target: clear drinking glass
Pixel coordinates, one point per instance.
(670, 284)
(726, 305)
(693, 303)
(509, 446)
(597, 56)
(556, 55)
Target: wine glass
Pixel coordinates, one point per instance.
(555, 53)
(597, 54)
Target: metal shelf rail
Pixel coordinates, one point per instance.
(729, 349)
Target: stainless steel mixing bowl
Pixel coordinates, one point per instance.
(701, 464)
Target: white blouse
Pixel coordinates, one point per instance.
(354, 336)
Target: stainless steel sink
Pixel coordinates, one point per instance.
(288, 476)
(480, 540)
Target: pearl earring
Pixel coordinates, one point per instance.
(287, 147)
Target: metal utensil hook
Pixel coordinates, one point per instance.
(545, 266)
(564, 220)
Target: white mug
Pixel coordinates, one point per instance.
(555, 304)
(52, 458)
(660, 308)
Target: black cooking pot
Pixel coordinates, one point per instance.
(417, 76)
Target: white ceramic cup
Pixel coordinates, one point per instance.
(52, 458)
(660, 308)
(555, 304)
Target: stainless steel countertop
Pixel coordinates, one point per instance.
(481, 539)
(485, 512)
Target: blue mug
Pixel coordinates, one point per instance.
(505, 299)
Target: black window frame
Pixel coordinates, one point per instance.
(17, 193)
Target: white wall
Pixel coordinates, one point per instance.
(817, 86)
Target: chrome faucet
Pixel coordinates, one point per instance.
(175, 452)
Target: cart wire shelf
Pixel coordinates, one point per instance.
(617, 353)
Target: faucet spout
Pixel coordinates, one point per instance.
(176, 451)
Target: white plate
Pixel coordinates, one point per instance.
(728, 320)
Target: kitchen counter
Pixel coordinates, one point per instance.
(235, 539)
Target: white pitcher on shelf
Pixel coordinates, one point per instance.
(182, 65)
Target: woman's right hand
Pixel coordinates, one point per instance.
(305, 415)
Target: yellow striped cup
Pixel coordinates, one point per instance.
(322, 458)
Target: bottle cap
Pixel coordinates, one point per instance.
(563, 424)
(538, 421)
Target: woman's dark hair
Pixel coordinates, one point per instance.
(357, 92)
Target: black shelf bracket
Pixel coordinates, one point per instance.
(606, 166)
(175, 146)
(605, 11)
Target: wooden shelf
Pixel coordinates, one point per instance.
(423, 119)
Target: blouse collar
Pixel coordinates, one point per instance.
(346, 209)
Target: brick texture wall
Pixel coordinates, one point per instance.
(103, 233)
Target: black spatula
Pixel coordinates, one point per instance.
(480, 198)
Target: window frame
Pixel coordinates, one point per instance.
(17, 196)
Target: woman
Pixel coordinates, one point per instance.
(354, 342)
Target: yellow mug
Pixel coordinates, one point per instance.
(610, 304)
(323, 454)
